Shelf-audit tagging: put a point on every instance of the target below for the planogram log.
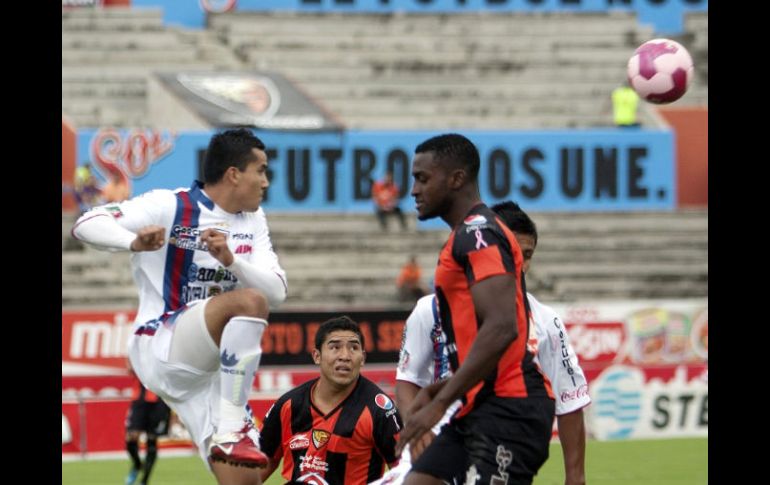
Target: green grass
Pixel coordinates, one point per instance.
(658, 462)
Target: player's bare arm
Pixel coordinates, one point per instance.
(217, 244)
(405, 393)
(572, 435)
(497, 313)
(149, 238)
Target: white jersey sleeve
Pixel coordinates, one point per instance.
(113, 226)
(259, 267)
(558, 359)
(416, 363)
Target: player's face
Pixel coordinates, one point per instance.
(430, 189)
(253, 182)
(341, 357)
(527, 245)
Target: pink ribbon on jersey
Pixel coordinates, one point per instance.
(480, 240)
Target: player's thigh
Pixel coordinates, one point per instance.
(191, 343)
(507, 443)
(444, 459)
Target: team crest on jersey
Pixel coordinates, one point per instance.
(320, 437)
(475, 220)
(383, 401)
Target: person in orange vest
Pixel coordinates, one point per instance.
(385, 194)
(150, 415)
(409, 282)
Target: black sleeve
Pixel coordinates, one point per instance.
(270, 433)
(386, 424)
(482, 250)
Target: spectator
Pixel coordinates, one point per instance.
(385, 195)
(625, 102)
(409, 282)
(148, 414)
(86, 191)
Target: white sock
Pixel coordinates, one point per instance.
(240, 351)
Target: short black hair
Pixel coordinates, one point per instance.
(516, 219)
(231, 148)
(343, 322)
(455, 149)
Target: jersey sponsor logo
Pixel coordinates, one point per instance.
(187, 244)
(320, 438)
(243, 249)
(313, 463)
(574, 394)
(475, 220)
(383, 401)
(298, 442)
(242, 235)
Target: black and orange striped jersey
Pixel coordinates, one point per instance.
(481, 247)
(349, 445)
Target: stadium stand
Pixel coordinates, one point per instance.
(344, 261)
(373, 71)
(407, 72)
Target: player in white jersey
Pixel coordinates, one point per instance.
(423, 360)
(207, 278)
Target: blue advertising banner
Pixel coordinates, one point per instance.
(558, 170)
(667, 16)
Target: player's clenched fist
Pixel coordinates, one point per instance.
(217, 243)
(149, 238)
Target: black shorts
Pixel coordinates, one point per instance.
(150, 417)
(502, 441)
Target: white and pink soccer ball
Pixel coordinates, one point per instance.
(660, 71)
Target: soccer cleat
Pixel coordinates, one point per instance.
(131, 477)
(238, 448)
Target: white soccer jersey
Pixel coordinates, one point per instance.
(423, 360)
(183, 270)
(558, 360)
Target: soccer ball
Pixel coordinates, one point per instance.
(660, 71)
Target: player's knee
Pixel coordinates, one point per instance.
(253, 303)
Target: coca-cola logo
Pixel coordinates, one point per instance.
(574, 394)
(597, 341)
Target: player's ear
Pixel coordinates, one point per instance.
(457, 178)
(233, 174)
(316, 356)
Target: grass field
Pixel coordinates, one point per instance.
(658, 462)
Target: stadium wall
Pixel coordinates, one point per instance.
(574, 170)
(667, 16)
